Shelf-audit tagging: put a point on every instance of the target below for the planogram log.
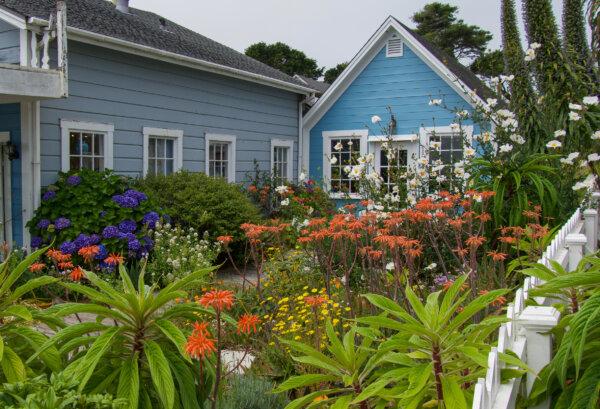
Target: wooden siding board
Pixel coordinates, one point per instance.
(405, 84)
(9, 44)
(131, 92)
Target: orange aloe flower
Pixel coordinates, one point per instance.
(89, 252)
(36, 267)
(475, 241)
(507, 239)
(76, 274)
(225, 240)
(218, 299)
(247, 323)
(499, 301)
(497, 256)
(65, 265)
(450, 283)
(199, 345)
(114, 259)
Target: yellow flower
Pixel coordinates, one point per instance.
(335, 321)
(314, 290)
(297, 337)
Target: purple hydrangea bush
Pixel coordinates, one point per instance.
(88, 208)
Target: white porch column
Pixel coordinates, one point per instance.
(535, 322)
(590, 217)
(575, 244)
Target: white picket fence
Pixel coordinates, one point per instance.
(526, 332)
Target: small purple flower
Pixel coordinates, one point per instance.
(94, 239)
(82, 240)
(102, 252)
(73, 180)
(48, 195)
(36, 242)
(43, 224)
(106, 267)
(68, 247)
(147, 243)
(62, 223)
(137, 195)
(150, 219)
(134, 245)
(125, 201)
(126, 236)
(127, 226)
(440, 280)
(110, 232)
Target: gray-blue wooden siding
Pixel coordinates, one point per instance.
(132, 92)
(10, 121)
(9, 44)
(405, 84)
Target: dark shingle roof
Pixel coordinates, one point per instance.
(463, 73)
(147, 29)
(319, 86)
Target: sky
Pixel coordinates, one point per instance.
(330, 31)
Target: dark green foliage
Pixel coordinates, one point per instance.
(575, 39)
(196, 200)
(284, 58)
(58, 393)
(489, 64)
(332, 73)
(251, 392)
(437, 22)
(593, 17)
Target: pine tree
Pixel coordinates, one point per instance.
(541, 28)
(575, 39)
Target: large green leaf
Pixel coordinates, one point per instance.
(301, 381)
(160, 373)
(129, 382)
(12, 366)
(14, 275)
(17, 311)
(32, 285)
(454, 397)
(87, 365)
(174, 334)
(587, 388)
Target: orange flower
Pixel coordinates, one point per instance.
(247, 323)
(475, 241)
(497, 256)
(76, 274)
(218, 299)
(315, 300)
(58, 256)
(199, 345)
(450, 283)
(225, 240)
(36, 267)
(507, 239)
(499, 301)
(89, 252)
(200, 328)
(113, 259)
(65, 265)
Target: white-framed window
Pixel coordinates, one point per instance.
(163, 151)
(282, 159)
(220, 156)
(394, 47)
(345, 147)
(86, 145)
(395, 161)
(451, 143)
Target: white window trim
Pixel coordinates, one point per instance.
(68, 126)
(363, 134)
(282, 143)
(425, 133)
(174, 134)
(231, 139)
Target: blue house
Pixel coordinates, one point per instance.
(87, 84)
(398, 69)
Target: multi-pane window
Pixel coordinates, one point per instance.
(86, 150)
(280, 163)
(161, 155)
(392, 166)
(449, 147)
(344, 152)
(218, 159)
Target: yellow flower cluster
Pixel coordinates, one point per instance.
(300, 318)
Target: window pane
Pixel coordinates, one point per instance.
(211, 152)
(224, 150)
(169, 166)
(99, 144)
(74, 143)
(160, 166)
(152, 166)
(86, 144)
(170, 143)
(86, 162)
(447, 142)
(74, 163)
(160, 148)
(152, 148)
(98, 164)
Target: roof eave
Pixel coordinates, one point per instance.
(101, 40)
(13, 18)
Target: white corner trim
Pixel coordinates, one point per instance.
(284, 143)
(363, 134)
(67, 125)
(174, 134)
(231, 140)
(366, 54)
(23, 47)
(7, 202)
(12, 18)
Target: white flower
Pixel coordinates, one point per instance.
(423, 161)
(495, 80)
(463, 114)
(518, 139)
(350, 143)
(507, 78)
(282, 190)
(411, 199)
(560, 133)
(356, 172)
(486, 136)
(333, 160)
(455, 127)
(469, 151)
(593, 157)
(554, 144)
(436, 145)
(375, 119)
(369, 157)
(431, 266)
(285, 202)
(338, 146)
(574, 116)
(505, 113)
(492, 102)
(347, 168)
(575, 107)
(535, 46)
(302, 176)
(592, 100)
(596, 135)
(570, 158)
(390, 266)
(530, 54)
(441, 179)
(435, 102)
(507, 147)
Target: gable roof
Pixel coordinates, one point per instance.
(447, 67)
(153, 32)
(319, 86)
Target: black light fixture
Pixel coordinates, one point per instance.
(12, 151)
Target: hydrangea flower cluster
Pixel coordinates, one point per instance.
(130, 199)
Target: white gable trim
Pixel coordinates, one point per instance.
(12, 18)
(364, 57)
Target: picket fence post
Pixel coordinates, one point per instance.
(590, 217)
(575, 243)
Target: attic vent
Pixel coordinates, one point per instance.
(395, 47)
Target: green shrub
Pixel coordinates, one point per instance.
(196, 200)
(251, 392)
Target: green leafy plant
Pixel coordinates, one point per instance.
(134, 349)
(17, 339)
